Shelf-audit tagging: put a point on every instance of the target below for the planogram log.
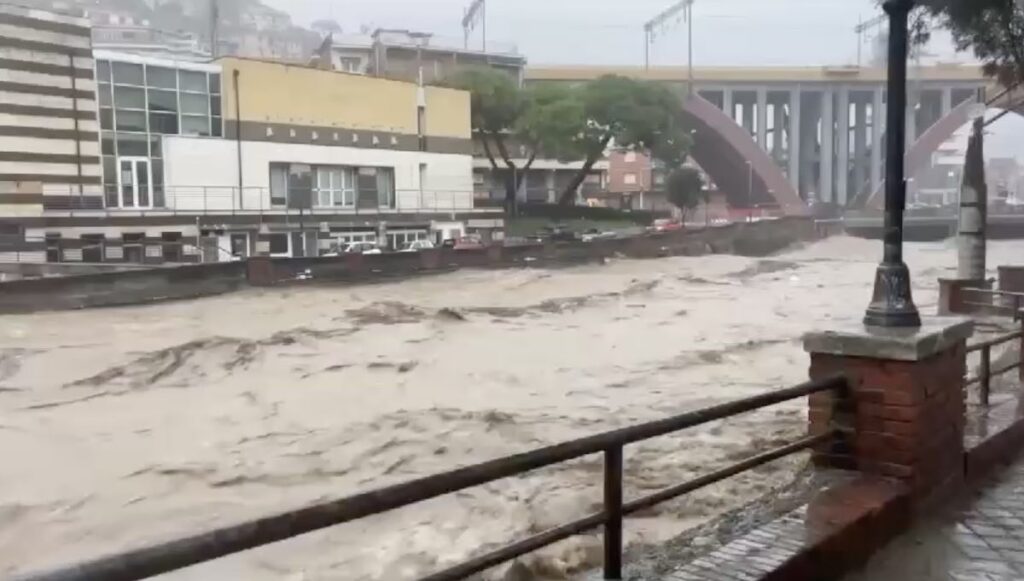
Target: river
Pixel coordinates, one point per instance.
(120, 427)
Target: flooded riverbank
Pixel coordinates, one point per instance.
(124, 426)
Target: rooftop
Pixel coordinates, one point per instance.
(425, 41)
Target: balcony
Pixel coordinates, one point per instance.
(256, 201)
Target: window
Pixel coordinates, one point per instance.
(421, 126)
(630, 157)
(163, 101)
(378, 180)
(335, 186)
(163, 123)
(194, 104)
(103, 90)
(129, 98)
(278, 244)
(106, 118)
(399, 239)
(192, 81)
(130, 121)
(629, 179)
(300, 185)
(110, 177)
(161, 77)
(349, 64)
(53, 247)
(194, 125)
(171, 243)
(132, 243)
(279, 184)
(92, 247)
(127, 74)
(103, 71)
(132, 145)
(659, 178)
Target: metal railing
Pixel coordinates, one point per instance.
(985, 371)
(188, 551)
(230, 200)
(999, 301)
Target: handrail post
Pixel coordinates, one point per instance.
(1020, 351)
(983, 373)
(613, 513)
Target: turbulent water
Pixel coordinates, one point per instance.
(120, 427)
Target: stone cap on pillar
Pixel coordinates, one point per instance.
(935, 335)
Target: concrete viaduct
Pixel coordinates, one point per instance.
(787, 135)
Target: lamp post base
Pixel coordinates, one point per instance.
(892, 304)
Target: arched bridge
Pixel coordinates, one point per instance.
(920, 151)
(787, 135)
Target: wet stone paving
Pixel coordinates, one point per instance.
(980, 540)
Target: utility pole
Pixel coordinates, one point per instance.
(214, 17)
(863, 27)
(684, 7)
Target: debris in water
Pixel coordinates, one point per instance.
(450, 314)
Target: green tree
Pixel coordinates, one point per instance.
(993, 29)
(637, 115)
(685, 189)
(496, 105)
(511, 123)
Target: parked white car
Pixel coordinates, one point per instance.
(353, 248)
(417, 245)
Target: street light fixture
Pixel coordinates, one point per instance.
(892, 304)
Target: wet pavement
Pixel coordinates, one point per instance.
(982, 539)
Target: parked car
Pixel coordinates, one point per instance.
(353, 248)
(417, 245)
(595, 234)
(557, 233)
(666, 225)
(468, 243)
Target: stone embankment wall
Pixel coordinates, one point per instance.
(191, 281)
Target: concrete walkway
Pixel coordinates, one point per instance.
(982, 539)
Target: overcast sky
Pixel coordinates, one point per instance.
(726, 32)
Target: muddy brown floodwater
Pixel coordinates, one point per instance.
(120, 427)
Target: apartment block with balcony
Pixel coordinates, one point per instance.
(183, 161)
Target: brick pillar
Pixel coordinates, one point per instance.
(903, 416)
(952, 297)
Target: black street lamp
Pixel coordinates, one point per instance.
(892, 304)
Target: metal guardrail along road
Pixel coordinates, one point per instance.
(177, 554)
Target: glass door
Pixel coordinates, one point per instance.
(134, 182)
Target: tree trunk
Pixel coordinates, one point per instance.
(506, 175)
(569, 193)
(568, 196)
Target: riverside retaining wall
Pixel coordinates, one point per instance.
(191, 281)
